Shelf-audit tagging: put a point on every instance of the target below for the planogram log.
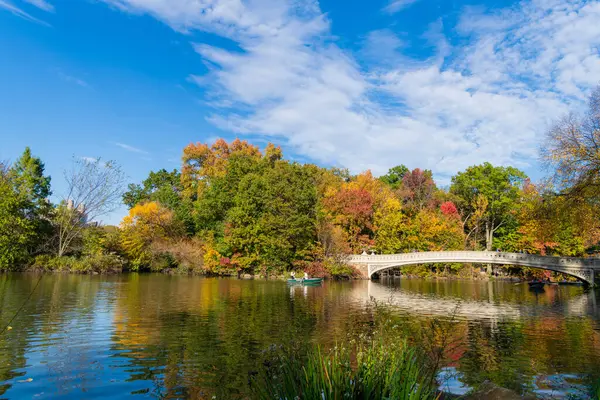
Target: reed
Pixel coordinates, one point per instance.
(374, 370)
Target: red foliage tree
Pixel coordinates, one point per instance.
(448, 208)
(418, 189)
(352, 209)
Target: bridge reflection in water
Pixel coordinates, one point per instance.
(418, 303)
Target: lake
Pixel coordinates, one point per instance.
(159, 336)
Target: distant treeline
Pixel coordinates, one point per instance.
(236, 209)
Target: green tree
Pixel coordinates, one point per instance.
(161, 186)
(165, 188)
(218, 194)
(33, 189)
(499, 186)
(27, 176)
(16, 230)
(394, 176)
(272, 221)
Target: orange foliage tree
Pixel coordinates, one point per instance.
(201, 161)
(352, 206)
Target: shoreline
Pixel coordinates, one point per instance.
(174, 272)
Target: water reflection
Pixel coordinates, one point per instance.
(473, 300)
(188, 337)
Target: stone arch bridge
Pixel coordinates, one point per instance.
(584, 269)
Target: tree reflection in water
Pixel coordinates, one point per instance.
(179, 336)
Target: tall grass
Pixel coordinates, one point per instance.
(373, 371)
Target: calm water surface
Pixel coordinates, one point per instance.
(157, 336)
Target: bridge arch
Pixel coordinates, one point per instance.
(581, 268)
(385, 268)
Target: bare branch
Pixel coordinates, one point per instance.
(572, 150)
(94, 189)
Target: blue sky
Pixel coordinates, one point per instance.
(438, 84)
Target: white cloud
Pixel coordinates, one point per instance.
(236, 18)
(72, 79)
(382, 47)
(395, 6)
(41, 4)
(489, 100)
(130, 148)
(5, 4)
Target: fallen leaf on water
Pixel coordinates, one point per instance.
(8, 328)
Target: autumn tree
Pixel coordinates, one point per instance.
(449, 209)
(202, 162)
(352, 210)
(165, 188)
(353, 205)
(571, 151)
(146, 223)
(390, 224)
(545, 223)
(428, 230)
(490, 191)
(418, 189)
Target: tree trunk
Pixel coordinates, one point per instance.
(489, 233)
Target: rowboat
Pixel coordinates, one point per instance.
(309, 281)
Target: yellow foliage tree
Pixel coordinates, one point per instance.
(389, 222)
(145, 224)
(429, 230)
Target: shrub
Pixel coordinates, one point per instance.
(187, 255)
(316, 269)
(52, 263)
(341, 271)
(101, 263)
(97, 263)
(162, 261)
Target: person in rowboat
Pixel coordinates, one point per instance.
(305, 275)
(293, 274)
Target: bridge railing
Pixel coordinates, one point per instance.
(475, 256)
